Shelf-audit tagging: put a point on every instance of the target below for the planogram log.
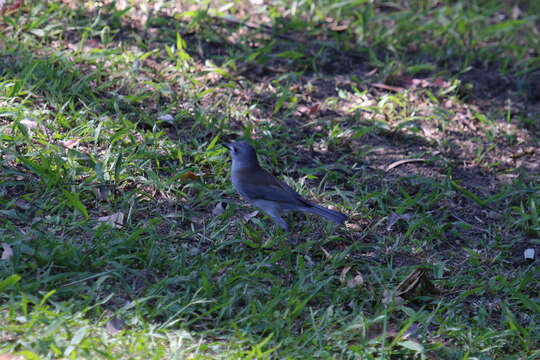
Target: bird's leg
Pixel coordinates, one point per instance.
(292, 241)
(283, 225)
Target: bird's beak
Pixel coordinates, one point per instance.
(227, 145)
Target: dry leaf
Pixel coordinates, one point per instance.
(218, 210)
(6, 356)
(411, 281)
(353, 227)
(115, 220)
(9, 8)
(528, 254)
(516, 12)
(190, 175)
(166, 117)
(394, 218)
(523, 152)
(70, 144)
(344, 274)
(8, 251)
(23, 204)
(339, 27)
(390, 297)
(303, 109)
(403, 81)
(391, 332)
(416, 281)
(407, 82)
(411, 330)
(30, 124)
(371, 73)
(326, 253)
(387, 87)
(377, 329)
(93, 44)
(115, 325)
(102, 192)
(440, 83)
(401, 162)
(250, 215)
(357, 281)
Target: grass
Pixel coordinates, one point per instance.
(114, 242)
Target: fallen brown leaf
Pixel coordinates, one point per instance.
(371, 73)
(250, 215)
(516, 12)
(528, 254)
(389, 297)
(402, 81)
(8, 251)
(23, 204)
(440, 83)
(6, 356)
(116, 220)
(353, 227)
(523, 152)
(417, 281)
(219, 209)
(394, 218)
(357, 281)
(377, 329)
(401, 162)
(190, 175)
(344, 274)
(411, 281)
(29, 124)
(303, 110)
(388, 87)
(326, 253)
(407, 82)
(338, 27)
(166, 117)
(7, 8)
(115, 325)
(70, 144)
(92, 44)
(102, 192)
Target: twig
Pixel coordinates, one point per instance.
(471, 225)
(401, 162)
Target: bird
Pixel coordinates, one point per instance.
(268, 193)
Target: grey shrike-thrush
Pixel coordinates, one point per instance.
(266, 192)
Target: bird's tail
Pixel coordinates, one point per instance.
(335, 216)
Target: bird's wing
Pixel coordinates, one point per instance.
(262, 185)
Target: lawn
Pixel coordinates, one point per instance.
(122, 237)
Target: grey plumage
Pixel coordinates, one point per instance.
(267, 193)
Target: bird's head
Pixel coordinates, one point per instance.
(242, 154)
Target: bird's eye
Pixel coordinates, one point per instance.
(233, 149)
